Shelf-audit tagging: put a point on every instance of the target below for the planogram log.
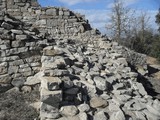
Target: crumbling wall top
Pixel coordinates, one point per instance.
(6, 5)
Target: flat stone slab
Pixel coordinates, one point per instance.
(98, 102)
(50, 83)
(69, 110)
(51, 97)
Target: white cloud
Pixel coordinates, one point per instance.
(73, 2)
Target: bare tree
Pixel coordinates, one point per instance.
(127, 24)
(119, 19)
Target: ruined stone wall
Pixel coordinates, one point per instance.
(25, 29)
(52, 20)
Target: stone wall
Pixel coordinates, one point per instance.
(52, 20)
(25, 29)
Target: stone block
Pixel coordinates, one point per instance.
(101, 83)
(19, 32)
(52, 98)
(12, 69)
(26, 69)
(5, 79)
(58, 63)
(21, 37)
(12, 51)
(23, 49)
(117, 115)
(49, 115)
(50, 51)
(7, 26)
(56, 72)
(50, 83)
(11, 58)
(41, 22)
(100, 116)
(16, 63)
(98, 102)
(66, 13)
(52, 11)
(33, 80)
(122, 61)
(27, 74)
(140, 88)
(3, 68)
(5, 45)
(18, 43)
(18, 82)
(61, 13)
(69, 110)
(2, 53)
(48, 111)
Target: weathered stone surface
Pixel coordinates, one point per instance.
(3, 68)
(7, 26)
(117, 116)
(69, 110)
(56, 72)
(101, 83)
(50, 83)
(52, 51)
(100, 116)
(50, 115)
(48, 111)
(18, 43)
(21, 37)
(83, 116)
(51, 11)
(26, 89)
(6, 79)
(84, 107)
(33, 80)
(98, 102)
(140, 88)
(51, 97)
(18, 82)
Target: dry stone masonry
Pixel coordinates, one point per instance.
(83, 75)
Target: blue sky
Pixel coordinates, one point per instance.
(97, 11)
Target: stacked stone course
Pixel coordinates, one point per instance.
(83, 75)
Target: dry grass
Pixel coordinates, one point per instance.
(14, 105)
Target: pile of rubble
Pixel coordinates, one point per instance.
(82, 82)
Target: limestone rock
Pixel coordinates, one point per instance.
(50, 83)
(52, 51)
(98, 102)
(100, 116)
(69, 110)
(33, 80)
(84, 107)
(101, 83)
(117, 116)
(83, 116)
(51, 97)
(18, 82)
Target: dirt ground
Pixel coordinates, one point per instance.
(15, 105)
